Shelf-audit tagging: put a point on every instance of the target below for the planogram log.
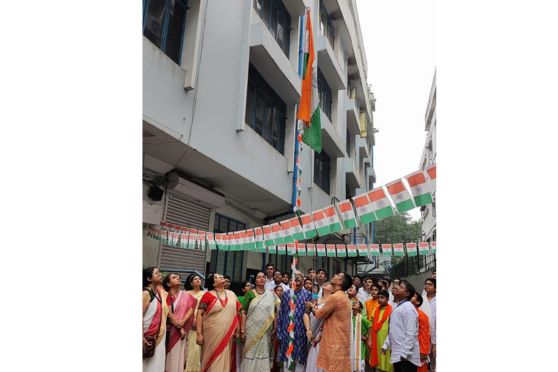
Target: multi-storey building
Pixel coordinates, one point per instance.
(220, 87)
(428, 212)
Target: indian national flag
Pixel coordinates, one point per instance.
(431, 171)
(341, 250)
(374, 249)
(210, 240)
(278, 234)
(330, 250)
(291, 249)
(424, 248)
(174, 238)
(398, 249)
(310, 249)
(238, 241)
(308, 226)
(411, 249)
(281, 249)
(184, 240)
(419, 188)
(201, 240)
(401, 197)
(268, 236)
(193, 233)
(251, 240)
(272, 249)
(164, 236)
(320, 222)
(287, 233)
(321, 250)
(243, 240)
(386, 250)
(219, 240)
(227, 241)
(296, 229)
(362, 250)
(364, 209)
(352, 250)
(332, 219)
(301, 249)
(309, 105)
(432, 247)
(380, 203)
(347, 214)
(258, 233)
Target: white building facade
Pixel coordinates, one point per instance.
(220, 89)
(428, 212)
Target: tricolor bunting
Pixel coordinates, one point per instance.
(386, 249)
(420, 189)
(401, 197)
(347, 214)
(411, 249)
(380, 203)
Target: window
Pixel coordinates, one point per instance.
(265, 111)
(322, 170)
(227, 262)
(325, 96)
(163, 24)
(277, 19)
(326, 25)
(348, 148)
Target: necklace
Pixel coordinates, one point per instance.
(219, 297)
(258, 292)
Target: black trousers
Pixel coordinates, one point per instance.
(404, 366)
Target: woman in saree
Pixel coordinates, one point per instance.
(155, 311)
(315, 333)
(182, 306)
(216, 324)
(261, 307)
(193, 286)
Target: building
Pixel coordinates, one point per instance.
(428, 212)
(220, 89)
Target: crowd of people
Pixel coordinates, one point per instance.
(341, 324)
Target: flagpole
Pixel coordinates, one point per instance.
(297, 131)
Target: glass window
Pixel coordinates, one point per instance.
(326, 25)
(163, 24)
(324, 92)
(227, 262)
(322, 164)
(277, 19)
(267, 113)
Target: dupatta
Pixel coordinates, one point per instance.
(182, 304)
(261, 313)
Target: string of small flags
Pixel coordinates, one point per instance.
(170, 234)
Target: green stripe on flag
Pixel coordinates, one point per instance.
(423, 199)
(350, 223)
(335, 227)
(384, 212)
(323, 231)
(312, 136)
(405, 206)
(309, 234)
(367, 218)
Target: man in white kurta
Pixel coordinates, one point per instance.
(402, 338)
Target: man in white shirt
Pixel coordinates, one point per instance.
(364, 292)
(429, 307)
(403, 331)
(269, 282)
